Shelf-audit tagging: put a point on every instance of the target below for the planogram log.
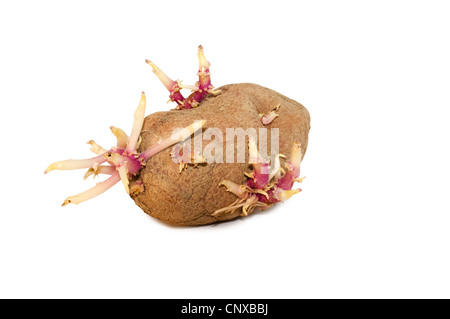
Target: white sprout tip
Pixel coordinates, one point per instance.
(296, 156)
(285, 195)
(300, 179)
(66, 202)
(53, 166)
(196, 126)
(201, 57)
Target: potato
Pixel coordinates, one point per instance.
(227, 179)
(192, 196)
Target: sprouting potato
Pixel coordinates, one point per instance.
(170, 179)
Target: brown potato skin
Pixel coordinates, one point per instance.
(189, 198)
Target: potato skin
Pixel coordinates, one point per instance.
(190, 197)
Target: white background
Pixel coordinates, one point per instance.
(372, 220)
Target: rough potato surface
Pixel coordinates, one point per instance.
(190, 197)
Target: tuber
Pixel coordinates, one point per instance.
(222, 153)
